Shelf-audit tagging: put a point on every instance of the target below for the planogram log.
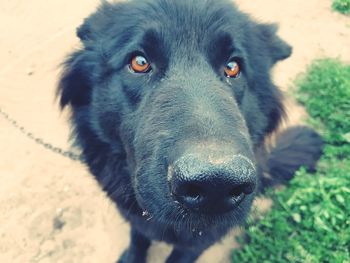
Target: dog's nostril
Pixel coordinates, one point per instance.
(190, 195)
(245, 188)
(248, 188)
(192, 190)
(237, 191)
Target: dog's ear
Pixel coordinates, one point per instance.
(84, 32)
(75, 84)
(278, 48)
(100, 21)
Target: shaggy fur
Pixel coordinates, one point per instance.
(132, 127)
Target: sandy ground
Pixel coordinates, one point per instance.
(51, 209)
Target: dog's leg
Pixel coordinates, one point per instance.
(183, 256)
(137, 251)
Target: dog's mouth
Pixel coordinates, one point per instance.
(194, 220)
(195, 202)
(199, 222)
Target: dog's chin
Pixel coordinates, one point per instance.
(169, 212)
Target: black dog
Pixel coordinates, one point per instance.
(171, 102)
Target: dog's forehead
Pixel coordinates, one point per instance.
(195, 16)
(188, 19)
(189, 24)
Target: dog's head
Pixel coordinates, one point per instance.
(182, 90)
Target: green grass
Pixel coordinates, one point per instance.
(342, 6)
(310, 220)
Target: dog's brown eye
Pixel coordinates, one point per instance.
(232, 69)
(140, 64)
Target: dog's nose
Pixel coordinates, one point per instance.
(212, 186)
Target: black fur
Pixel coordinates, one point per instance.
(131, 127)
(295, 146)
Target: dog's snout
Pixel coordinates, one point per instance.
(212, 186)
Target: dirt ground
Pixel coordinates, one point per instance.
(51, 209)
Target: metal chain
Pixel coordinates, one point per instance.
(68, 154)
